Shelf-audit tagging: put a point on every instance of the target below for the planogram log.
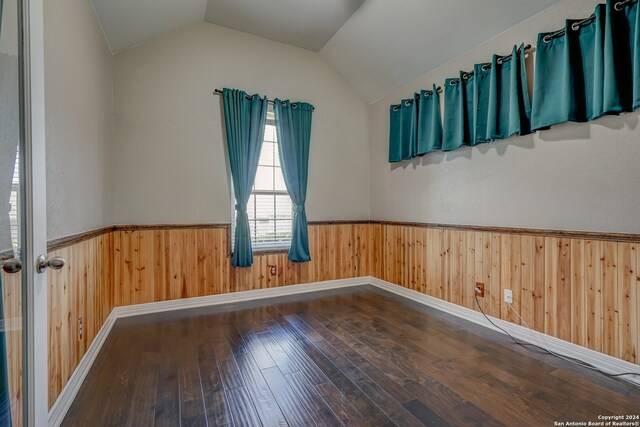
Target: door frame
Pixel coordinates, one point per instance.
(35, 315)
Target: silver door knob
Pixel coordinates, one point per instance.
(55, 263)
(12, 266)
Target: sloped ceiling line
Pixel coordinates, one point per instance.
(376, 45)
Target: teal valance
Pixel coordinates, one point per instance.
(415, 126)
(403, 131)
(491, 102)
(589, 68)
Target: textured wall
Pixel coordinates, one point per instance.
(572, 177)
(169, 151)
(78, 96)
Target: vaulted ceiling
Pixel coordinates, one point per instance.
(376, 45)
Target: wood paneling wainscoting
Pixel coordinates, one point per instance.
(582, 290)
(580, 287)
(126, 265)
(165, 264)
(80, 292)
(12, 325)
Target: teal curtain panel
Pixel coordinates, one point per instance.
(589, 68)
(293, 128)
(454, 115)
(5, 403)
(468, 83)
(569, 75)
(429, 121)
(480, 103)
(403, 130)
(459, 126)
(509, 106)
(621, 55)
(245, 120)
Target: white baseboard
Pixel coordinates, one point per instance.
(599, 360)
(233, 297)
(59, 409)
(70, 390)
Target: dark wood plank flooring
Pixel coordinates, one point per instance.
(357, 356)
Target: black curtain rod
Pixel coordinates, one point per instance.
(416, 96)
(618, 6)
(500, 60)
(219, 92)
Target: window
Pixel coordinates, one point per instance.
(14, 212)
(269, 209)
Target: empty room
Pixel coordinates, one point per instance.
(319, 213)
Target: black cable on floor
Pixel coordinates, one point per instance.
(578, 362)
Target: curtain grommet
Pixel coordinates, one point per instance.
(396, 107)
(575, 26)
(486, 67)
(453, 82)
(407, 103)
(546, 39)
(619, 5)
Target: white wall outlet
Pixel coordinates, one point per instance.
(508, 296)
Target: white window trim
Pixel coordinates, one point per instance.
(257, 247)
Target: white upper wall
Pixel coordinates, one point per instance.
(573, 177)
(169, 157)
(78, 102)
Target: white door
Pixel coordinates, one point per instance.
(23, 305)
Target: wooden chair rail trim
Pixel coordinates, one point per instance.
(73, 239)
(589, 235)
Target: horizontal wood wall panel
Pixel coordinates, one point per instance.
(580, 290)
(80, 290)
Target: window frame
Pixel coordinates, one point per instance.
(261, 247)
(16, 208)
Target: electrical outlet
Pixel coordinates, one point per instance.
(508, 296)
(479, 289)
(274, 270)
(80, 328)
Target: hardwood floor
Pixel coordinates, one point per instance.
(356, 356)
